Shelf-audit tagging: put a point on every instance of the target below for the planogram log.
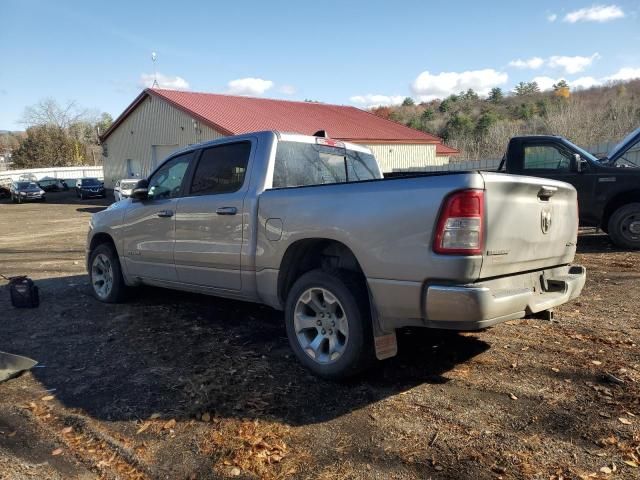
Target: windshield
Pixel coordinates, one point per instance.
(298, 164)
(26, 185)
(91, 182)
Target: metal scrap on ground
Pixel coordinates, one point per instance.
(12, 365)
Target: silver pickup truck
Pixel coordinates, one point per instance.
(308, 225)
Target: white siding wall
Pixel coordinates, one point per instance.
(398, 157)
(153, 122)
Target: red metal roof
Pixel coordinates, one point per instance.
(442, 149)
(232, 115)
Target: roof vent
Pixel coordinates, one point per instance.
(321, 133)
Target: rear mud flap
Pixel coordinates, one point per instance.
(385, 342)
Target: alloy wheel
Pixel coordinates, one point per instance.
(321, 325)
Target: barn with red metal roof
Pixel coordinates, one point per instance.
(160, 121)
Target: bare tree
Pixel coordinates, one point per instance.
(48, 112)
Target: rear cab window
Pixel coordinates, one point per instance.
(300, 164)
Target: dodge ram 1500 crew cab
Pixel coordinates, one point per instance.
(309, 226)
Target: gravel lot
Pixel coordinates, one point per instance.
(172, 385)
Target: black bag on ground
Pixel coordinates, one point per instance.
(24, 293)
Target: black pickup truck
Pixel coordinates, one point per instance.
(608, 188)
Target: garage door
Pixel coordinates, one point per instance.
(160, 152)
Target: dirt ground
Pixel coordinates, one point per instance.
(179, 386)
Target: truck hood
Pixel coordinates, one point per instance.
(621, 148)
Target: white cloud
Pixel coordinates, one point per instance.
(287, 89)
(532, 63)
(373, 100)
(585, 82)
(572, 64)
(249, 86)
(552, 17)
(596, 13)
(545, 83)
(623, 74)
(428, 86)
(164, 81)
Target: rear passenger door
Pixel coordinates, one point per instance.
(210, 219)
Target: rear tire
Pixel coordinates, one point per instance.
(328, 323)
(624, 226)
(105, 275)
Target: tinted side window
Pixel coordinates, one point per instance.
(546, 157)
(221, 169)
(167, 181)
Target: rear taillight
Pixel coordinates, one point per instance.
(460, 224)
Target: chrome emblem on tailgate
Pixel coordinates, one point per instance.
(545, 220)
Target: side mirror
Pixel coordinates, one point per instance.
(141, 190)
(578, 163)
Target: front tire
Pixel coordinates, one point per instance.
(624, 226)
(105, 275)
(328, 323)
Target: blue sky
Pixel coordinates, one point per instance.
(361, 53)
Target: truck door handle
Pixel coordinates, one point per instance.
(545, 192)
(227, 211)
(165, 213)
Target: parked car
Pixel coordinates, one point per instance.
(309, 226)
(53, 185)
(608, 188)
(5, 191)
(26, 192)
(90, 188)
(123, 188)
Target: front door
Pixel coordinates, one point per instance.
(149, 225)
(553, 160)
(210, 218)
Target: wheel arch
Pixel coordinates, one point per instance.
(629, 196)
(309, 254)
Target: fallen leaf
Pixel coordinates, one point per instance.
(512, 396)
(154, 416)
(605, 470)
(48, 398)
(170, 424)
(439, 468)
(235, 471)
(631, 464)
(555, 369)
(206, 417)
(57, 451)
(12, 434)
(596, 362)
(67, 430)
(624, 421)
(604, 415)
(143, 427)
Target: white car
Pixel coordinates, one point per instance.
(123, 188)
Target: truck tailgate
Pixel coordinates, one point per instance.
(530, 224)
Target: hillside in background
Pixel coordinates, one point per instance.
(481, 127)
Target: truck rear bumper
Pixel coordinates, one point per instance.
(481, 305)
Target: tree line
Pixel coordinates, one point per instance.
(481, 127)
(57, 135)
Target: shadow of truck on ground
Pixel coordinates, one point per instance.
(181, 354)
